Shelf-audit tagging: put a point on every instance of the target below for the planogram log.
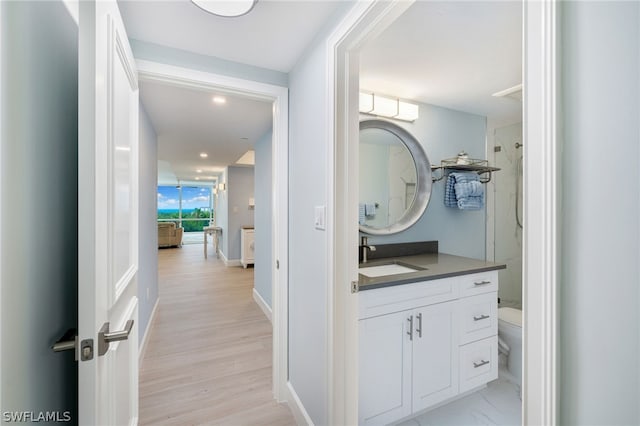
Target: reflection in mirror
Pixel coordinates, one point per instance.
(387, 177)
(394, 178)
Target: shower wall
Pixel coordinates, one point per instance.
(508, 191)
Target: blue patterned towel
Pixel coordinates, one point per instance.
(469, 189)
(361, 218)
(464, 191)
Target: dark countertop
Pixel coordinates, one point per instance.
(438, 265)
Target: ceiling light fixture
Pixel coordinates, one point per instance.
(203, 155)
(219, 100)
(385, 106)
(226, 8)
(198, 171)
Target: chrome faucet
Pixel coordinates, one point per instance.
(365, 246)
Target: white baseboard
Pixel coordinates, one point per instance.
(298, 410)
(229, 262)
(263, 305)
(147, 332)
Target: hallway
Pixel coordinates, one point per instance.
(208, 359)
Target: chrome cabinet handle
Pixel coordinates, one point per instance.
(419, 327)
(482, 282)
(480, 318)
(105, 337)
(410, 332)
(480, 364)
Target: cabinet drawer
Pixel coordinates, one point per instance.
(483, 282)
(478, 363)
(478, 317)
(407, 296)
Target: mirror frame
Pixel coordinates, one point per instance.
(423, 179)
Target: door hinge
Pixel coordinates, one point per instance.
(355, 287)
(277, 264)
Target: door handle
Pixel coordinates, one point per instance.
(105, 337)
(69, 341)
(419, 327)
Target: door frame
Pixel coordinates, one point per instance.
(541, 240)
(279, 96)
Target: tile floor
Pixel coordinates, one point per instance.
(498, 404)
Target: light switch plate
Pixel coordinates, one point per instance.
(319, 217)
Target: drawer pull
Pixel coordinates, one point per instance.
(482, 282)
(481, 317)
(480, 364)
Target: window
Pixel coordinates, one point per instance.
(190, 207)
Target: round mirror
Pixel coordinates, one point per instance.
(395, 178)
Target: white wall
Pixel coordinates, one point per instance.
(39, 204)
(147, 226)
(182, 58)
(443, 133)
(600, 305)
(263, 217)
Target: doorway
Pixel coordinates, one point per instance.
(540, 205)
(277, 96)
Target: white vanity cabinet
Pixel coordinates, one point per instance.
(247, 246)
(435, 355)
(385, 358)
(424, 343)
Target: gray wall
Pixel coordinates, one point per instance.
(240, 189)
(308, 280)
(235, 199)
(599, 307)
(39, 204)
(222, 213)
(147, 222)
(443, 133)
(263, 217)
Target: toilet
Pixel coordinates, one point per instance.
(510, 342)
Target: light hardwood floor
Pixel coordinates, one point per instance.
(208, 359)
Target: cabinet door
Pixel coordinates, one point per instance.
(435, 354)
(384, 369)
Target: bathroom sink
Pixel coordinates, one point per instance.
(395, 268)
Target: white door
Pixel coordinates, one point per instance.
(385, 368)
(107, 222)
(435, 354)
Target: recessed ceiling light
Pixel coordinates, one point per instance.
(227, 9)
(245, 139)
(219, 100)
(198, 171)
(203, 155)
(197, 178)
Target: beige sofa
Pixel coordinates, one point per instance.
(169, 235)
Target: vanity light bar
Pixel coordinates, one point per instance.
(385, 106)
